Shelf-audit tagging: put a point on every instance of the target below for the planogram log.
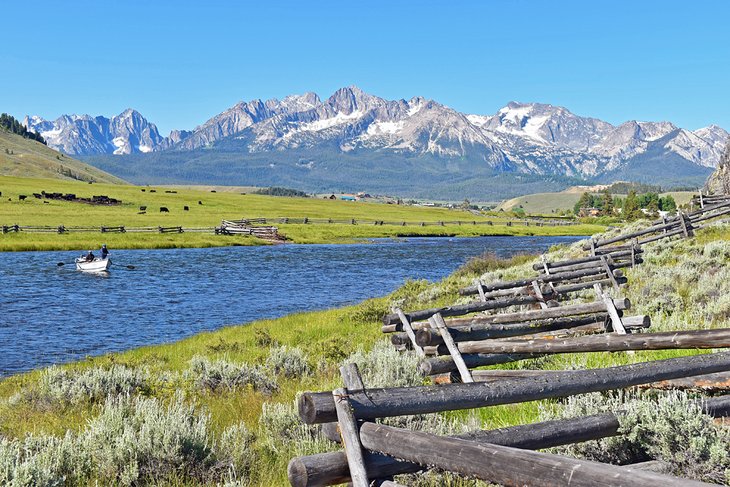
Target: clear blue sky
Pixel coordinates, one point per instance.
(181, 62)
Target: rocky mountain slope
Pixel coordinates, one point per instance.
(126, 133)
(719, 181)
(527, 139)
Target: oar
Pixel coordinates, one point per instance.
(130, 267)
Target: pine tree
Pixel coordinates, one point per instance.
(631, 210)
(607, 202)
(585, 201)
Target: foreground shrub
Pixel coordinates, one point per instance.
(288, 362)
(62, 386)
(142, 439)
(235, 452)
(283, 435)
(369, 311)
(670, 428)
(132, 441)
(222, 374)
(384, 366)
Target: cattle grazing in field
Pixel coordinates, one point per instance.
(163, 209)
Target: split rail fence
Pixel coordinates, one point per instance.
(537, 222)
(511, 321)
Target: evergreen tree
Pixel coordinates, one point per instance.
(631, 209)
(607, 202)
(668, 204)
(585, 201)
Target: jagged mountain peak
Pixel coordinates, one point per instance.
(524, 137)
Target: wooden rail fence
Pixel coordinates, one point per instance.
(538, 222)
(452, 341)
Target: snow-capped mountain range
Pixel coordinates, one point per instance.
(526, 138)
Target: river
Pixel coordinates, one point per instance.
(51, 314)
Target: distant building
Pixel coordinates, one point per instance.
(584, 212)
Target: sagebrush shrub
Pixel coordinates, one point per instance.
(64, 386)
(369, 311)
(670, 428)
(235, 450)
(133, 441)
(290, 362)
(222, 374)
(282, 433)
(383, 366)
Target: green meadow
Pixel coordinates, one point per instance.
(207, 209)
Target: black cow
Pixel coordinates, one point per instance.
(142, 208)
(186, 208)
(163, 209)
(21, 197)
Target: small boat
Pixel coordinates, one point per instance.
(96, 265)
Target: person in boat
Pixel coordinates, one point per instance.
(89, 256)
(104, 252)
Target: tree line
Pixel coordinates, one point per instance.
(11, 124)
(629, 208)
(278, 191)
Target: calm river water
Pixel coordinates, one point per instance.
(51, 314)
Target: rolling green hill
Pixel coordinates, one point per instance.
(28, 158)
(551, 203)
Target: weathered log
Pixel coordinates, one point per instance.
(591, 329)
(331, 468)
(717, 382)
(674, 222)
(506, 465)
(556, 277)
(610, 342)
(399, 401)
(409, 331)
(428, 337)
(712, 207)
(582, 260)
(479, 321)
(460, 309)
(551, 292)
(348, 428)
(709, 216)
(672, 233)
(522, 316)
(579, 286)
(437, 322)
(612, 250)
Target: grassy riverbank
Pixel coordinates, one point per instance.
(241, 381)
(207, 209)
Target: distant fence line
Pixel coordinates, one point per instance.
(103, 229)
(401, 223)
(250, 225)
